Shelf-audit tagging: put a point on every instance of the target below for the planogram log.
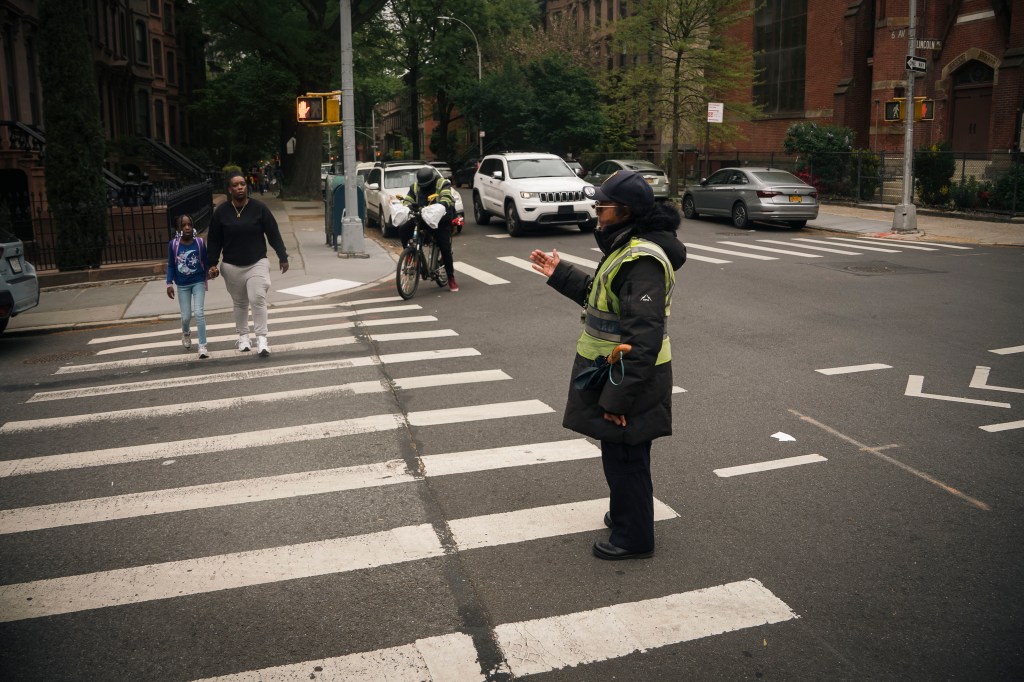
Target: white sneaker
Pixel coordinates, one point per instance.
(262, 346)
(186, 340)
(203, 353)
(243, 343)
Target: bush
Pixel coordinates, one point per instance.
(823, 150)
(1003, 194)
(933, 172)
(870, 166)
(970, 194)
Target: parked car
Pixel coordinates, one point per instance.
(747, 194)
(463, 177)
(576, 166)
(654, 175)
(443, 168)
(528, 189)
(19, 285)
(386, 183)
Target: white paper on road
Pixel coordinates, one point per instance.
(782, 437)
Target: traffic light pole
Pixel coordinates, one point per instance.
(904, 219)
(351, 225)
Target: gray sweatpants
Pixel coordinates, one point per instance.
(248, 287)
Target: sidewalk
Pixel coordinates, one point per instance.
(316, 271)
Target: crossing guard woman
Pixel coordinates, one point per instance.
(628, 300)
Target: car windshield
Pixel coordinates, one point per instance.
(778, 178)
(539, 168)
(400, 178)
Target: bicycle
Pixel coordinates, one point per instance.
(419, 262)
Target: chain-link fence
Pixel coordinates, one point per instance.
(990, 183)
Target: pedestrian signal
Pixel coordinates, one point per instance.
(924, 110)
(309, 109)
(894, 110)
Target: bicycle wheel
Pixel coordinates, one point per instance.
(407, 277)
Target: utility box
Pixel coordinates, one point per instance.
(334, 208)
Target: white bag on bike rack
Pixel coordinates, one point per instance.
(433, 214)
(400, 213)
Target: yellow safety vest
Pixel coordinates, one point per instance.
(602, 328)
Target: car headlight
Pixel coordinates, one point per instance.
(528, 195)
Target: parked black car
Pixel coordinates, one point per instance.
(463, 177)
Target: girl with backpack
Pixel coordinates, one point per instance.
(187, 267)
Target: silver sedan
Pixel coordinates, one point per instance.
(748, 194)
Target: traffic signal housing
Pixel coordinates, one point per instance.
(896, 109)
(309, 109)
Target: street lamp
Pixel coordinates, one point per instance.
(479, 75)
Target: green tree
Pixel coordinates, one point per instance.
(681, 56)
(75, 145)
(296, 38)
(537, 119)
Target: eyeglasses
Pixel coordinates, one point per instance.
(599, 205)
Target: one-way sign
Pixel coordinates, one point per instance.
(916, 64)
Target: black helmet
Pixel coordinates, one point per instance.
(424, 175)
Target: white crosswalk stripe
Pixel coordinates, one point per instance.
(715, 249)
(861, 245)
(172, 579)
(277, 333)
(280, 320)
(478, 274)
(772, 250)
(814, 248)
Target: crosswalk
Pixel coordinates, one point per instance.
(181, 464)
(723, 252)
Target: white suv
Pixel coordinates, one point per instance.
(386, 184)
(530, 189)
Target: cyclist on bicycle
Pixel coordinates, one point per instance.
(431, 188)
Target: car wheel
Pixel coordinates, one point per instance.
(482, 217)
(588, 225)
(739, 215)
(797, 224)
(689, 210)
(512, 221)
(3, 324)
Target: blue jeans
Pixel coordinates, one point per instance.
(186, 294)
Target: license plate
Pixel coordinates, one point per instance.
(566, 208)
(15, 264)
(795, 199)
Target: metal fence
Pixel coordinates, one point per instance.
(990, 183)
(136, 230)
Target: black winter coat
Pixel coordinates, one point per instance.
(644, 395)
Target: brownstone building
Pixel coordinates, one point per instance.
(146, 67)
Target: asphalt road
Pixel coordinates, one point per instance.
(889, 548)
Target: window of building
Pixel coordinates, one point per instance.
(158, 119)
(12, 74)
(154, 7)
(168, 18)
(172, 77)
(172, 120)
(33, 82)
(598, 14)
(611, 10)
(780, 50)
(141, 43)
(158, 58)
(142, 116)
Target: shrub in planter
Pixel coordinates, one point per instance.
(1003, 193)
(934, 166)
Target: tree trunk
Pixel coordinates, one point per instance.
(303, 179)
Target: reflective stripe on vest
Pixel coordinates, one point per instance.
(602, 329)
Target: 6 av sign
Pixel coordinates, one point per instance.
(916, 64)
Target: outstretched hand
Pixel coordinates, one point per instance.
(543, 263)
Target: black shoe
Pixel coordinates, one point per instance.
(608, 519)
(609, 552)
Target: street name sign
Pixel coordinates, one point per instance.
(916, 64)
